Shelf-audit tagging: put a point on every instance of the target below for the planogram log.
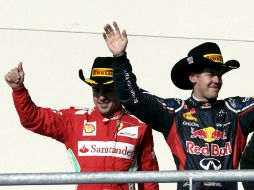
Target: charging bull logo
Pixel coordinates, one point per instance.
(208, 134)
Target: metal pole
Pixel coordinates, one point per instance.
(191, 186)
(124, 177)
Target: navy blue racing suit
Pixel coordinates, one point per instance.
(201, 135)
(247, 161)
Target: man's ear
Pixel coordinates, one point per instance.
(192, 78)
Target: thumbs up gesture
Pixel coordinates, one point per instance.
(15, 77)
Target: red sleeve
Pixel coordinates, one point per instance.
(147, 159)
(43, 121)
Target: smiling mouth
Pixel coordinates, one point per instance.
(215, 86)
(217, 89)
(103, 104)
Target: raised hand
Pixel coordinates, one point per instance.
(15, 77)
(116, 41)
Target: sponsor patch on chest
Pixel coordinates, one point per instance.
(131, 132)
(89, 128)
(109, 148)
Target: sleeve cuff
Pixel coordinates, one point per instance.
(19, 90)
(121, 58)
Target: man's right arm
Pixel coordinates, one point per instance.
(40, 120)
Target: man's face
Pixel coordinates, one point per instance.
(105, 99)
(207, 84)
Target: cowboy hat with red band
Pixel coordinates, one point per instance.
(101, 73)
(205, 55)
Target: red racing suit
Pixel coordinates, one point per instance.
(94, 143)
(201, 135)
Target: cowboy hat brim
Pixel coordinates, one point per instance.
(92, 82)
(181, 70)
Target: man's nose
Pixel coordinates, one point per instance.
(216, 78)
(102, 93)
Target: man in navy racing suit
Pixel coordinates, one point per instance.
(202, 132)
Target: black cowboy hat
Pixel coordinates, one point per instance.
(205, 55)
(101, 73)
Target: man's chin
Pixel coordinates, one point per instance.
(104, 111)
(213, 97)
(214, 92)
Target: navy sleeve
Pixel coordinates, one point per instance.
(139, 102)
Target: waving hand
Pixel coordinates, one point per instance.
(116, 41)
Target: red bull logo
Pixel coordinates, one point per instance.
(217, 135)
(212, 150)
(208, 134)
(201, 134)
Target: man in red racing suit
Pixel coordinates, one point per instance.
(97, 140)
(207, 134)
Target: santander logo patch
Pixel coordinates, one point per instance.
(84, 149)
(110, 148)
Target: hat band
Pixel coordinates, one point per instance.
(102, 72)
(92, 82)
(214, 57)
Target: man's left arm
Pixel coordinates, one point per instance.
(147, 159)
(245, 110)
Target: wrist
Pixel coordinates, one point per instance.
(17, 88)
(119, 54)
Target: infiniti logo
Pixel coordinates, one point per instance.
(210, 164)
